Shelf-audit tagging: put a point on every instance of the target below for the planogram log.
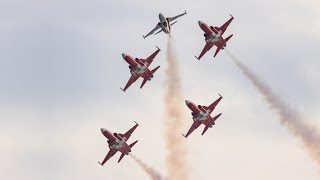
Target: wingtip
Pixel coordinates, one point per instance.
(100, 163)
(197, 58)
(220, 95)
(158, 48)
(122, 89)
(136, 123)
(184, 136)
(143, 37)
(185, 11)
(231, 16)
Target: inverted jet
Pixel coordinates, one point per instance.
(165, 24)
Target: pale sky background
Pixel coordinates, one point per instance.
(61, 69)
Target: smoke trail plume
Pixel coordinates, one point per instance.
(176, 160)
(288, 117)
(152, 173)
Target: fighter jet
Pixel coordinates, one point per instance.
(164, 24)
(117, 142)
(201, 115)
(139, 68)
(213, 37)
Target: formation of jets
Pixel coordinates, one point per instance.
(165, 24)
(140, 68)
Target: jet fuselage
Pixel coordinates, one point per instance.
(116, 142)
(164, 24)
(212, 35)
(198, 113)
(137, 67)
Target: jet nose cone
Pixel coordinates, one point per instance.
(187, 102)
(124, 55)
(103, 130)
(200, 23)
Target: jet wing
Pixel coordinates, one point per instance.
(224, 27)
(109, 155)
(132, 79)
(176, 17)
(149, 60)
(128, 133)
(212, 106)
(206, 48)
(152, 31)
(194, 126)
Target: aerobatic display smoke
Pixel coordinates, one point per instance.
(288, 117)
(152, 173)
(176, 159)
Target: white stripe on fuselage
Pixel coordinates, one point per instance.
(202, 116)
(214, 37)
(140, 69)
(119, 143)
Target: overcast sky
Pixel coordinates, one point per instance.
(61, 69)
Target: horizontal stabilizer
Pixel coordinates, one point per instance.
(217, 51)
(143, 82)
(205, 129)
(158, 32)
(155, 69)
(122, 155)
(227, 39)
(173, 23)
(131, 145)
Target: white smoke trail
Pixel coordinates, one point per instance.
(152, 173)
(176, 160)
(288, 117)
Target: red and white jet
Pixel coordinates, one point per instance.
(117, 142)
(213, 37)
(140, 68)
(164, 24)
(201, 115)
